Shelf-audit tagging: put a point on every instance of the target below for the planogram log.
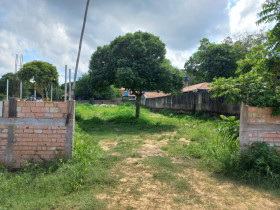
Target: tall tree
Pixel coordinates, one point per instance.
(269, 14)
(136, 62)
(212, 60)
(44, 74)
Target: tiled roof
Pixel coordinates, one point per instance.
(155, 94)
(200, 86)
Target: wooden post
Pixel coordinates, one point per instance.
(65, 86)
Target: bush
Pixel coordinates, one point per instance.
(260, 162)
(2, 97)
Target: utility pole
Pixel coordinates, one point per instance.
(79, 51)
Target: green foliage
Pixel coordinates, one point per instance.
(214, 60)
(256, 85)
(229, 127)
(2, 97)
(261, 164)
(136, 62)
(44, 74)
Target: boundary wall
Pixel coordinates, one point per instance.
(258, 125)
(192, 102)
(35, 131)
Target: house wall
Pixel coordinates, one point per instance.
(35, 131)
(258, 125)
(191, 102)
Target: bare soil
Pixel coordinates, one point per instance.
(138, 188)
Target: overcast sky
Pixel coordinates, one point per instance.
(49, 30)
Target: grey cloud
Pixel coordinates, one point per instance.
(53, 27)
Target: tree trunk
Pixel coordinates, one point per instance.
(138, 103)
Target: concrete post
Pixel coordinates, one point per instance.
(7, 90)
(243, 137)
(65, 86)
(51, 92)
(69, 85)
(20, 90)
(70, 127)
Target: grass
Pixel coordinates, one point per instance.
(100, 175)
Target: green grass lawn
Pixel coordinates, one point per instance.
(119, 160)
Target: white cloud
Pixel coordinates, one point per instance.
(243, 16)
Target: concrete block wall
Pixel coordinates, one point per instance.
(191, 102)
(35, 131)
(258, 125)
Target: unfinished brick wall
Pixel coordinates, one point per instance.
(258, 125)
(38, 131)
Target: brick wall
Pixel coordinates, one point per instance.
(258, 125)
(39, 132)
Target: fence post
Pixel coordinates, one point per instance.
(70, 85)
(65, 86)
(51, 91)
(7, 90)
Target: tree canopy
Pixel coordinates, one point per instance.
(219, 60)
(44, 74)
(136, 62)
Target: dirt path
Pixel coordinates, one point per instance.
(152, 180)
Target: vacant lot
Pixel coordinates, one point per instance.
(158, 161)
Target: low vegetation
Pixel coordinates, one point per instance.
(121, 162)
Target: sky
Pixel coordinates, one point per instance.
(49, 30)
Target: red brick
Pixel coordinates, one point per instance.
(29, 115)
(25, 109)
(64, 110)
(21, 103)
(47, 131)
(58, 115)
(277, 140)
(270, 121)
(42, 136)
(23, 135)
(39, 114)
(49, 104)
(32, 135)
(28, 130)
(45, 109)
(19, 131)
(40, 104)
(252, 109)
(3, 127)
(30, 103)
(48, 115)
(61, 131)
(62, 104)
(53, 136)
(3, 135)
(35, 109)
(5, 130)
(268, 139)
(20, 114)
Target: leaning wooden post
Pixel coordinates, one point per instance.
(65, 86)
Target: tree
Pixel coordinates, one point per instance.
(3, 83)
(44, 74)
(270, 13)
(13, 82)
(256, 87)
(136, 62)
(219, 60)
(85, 90)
